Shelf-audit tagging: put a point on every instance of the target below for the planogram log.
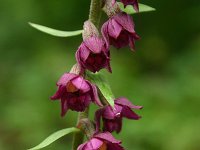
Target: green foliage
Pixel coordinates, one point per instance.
(55, 136)
(55, 32)
(130, 10)
(102, 84)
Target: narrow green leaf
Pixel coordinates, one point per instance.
(130, 10)
(55, 32)
(103, 86)
(53, 137)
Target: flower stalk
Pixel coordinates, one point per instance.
(95, 11)
(79, 136)
(94, 17)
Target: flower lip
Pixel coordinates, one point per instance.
(70, 87)
(103, 146)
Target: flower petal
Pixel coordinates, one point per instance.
(93, 144)
(114, 147)
(125, 102)
(98, 115)
(104, 31)
(111, 113)
(108, 112)
(81, 84)
(84, 52)
(125, 21)
(114, 29)
(112, 125)
(128, 113)
(119, 126)
(95, 44)
(82, 146)
(59, 93)
(64, 107)
(95, 95)
(107, 136)
(65, 78)
(108, 67)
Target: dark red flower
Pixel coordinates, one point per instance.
(75, 93)
(119, 31)
(93, 55)
(112, 117)
(101, 141)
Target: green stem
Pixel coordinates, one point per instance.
(95, 12)
(79, 136)
(94, 17)
(77, 140)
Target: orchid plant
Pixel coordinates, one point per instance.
(84, 85)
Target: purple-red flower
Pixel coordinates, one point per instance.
(75, 93)
(101, 141)
(134, 3)
(112, 117)
(119, 31)
(93, 55)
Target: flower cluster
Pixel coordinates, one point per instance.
(76, 93)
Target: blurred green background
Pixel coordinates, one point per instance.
(163, 75)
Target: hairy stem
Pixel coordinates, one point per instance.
(95, 12)
(94, 17)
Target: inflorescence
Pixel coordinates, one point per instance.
(76, 93)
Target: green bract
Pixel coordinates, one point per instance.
(53, 137)
(103, 86)
(55, 32)
(130, 10)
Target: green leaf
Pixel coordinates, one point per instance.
(55, 32)
(130, 10)
(103, 86)
(53, 137)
